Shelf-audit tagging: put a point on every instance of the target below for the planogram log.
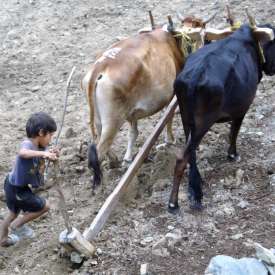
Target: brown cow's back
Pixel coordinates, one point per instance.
(132, 79)
(140, 73)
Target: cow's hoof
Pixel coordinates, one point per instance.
(173, 208)
(148, 159)
(197, 206)
(126, 163)
(113, 164)
(95, 183)
(233, 157)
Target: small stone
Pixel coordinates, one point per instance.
(239, 177)
(144, 269)
(35, 89)
(173, 238)
(260, 116)
(259, 134)
(94, 262)
(70, 133)
(228, 182)
(17, 270)
(162, 252)
(236, 237)
(76, 257)
(160, 243)
(79, 169)
(99, 251)
(53, 258)
(272, 180)
(228, 210)
(222, 264)
(170, 227)
(174, 235)
(243, 204)
(146, 241)
(12, 35)
(264, 254)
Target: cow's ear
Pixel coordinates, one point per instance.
(264, 34)
(215, 34)
(144, 30)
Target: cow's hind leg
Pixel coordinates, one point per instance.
(181, 163)
(232, 150)
(106, 139)
(132, 137)
(195, 181)
(114, 162)
(169, 137)
(195, 193)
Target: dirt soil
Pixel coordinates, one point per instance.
(40, 43)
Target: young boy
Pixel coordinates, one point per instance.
(28, 170)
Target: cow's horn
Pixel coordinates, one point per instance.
(253, 25)
(251, 19)
(170, 23)
(210, 18)
(152, 20)
(229, 18)
(180, 16)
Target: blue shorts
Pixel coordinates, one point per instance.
(22, 198)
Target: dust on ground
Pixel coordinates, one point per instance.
(40, 42)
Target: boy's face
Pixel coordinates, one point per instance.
(44, 140)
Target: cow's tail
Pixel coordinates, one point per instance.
(93, 160)
(91, 90)
(194, 187)
(94, 164)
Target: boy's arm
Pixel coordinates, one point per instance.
(28, 153)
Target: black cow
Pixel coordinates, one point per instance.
(218, 84)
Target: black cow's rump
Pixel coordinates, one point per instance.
(218, 84)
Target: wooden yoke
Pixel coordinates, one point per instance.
(262, 34)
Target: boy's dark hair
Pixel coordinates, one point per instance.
(40, 121)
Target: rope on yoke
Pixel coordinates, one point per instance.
(253, 26)
(236, 25)
(187, 45)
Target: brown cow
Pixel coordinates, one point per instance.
(133, 79)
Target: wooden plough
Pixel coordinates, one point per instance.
(82, 242)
